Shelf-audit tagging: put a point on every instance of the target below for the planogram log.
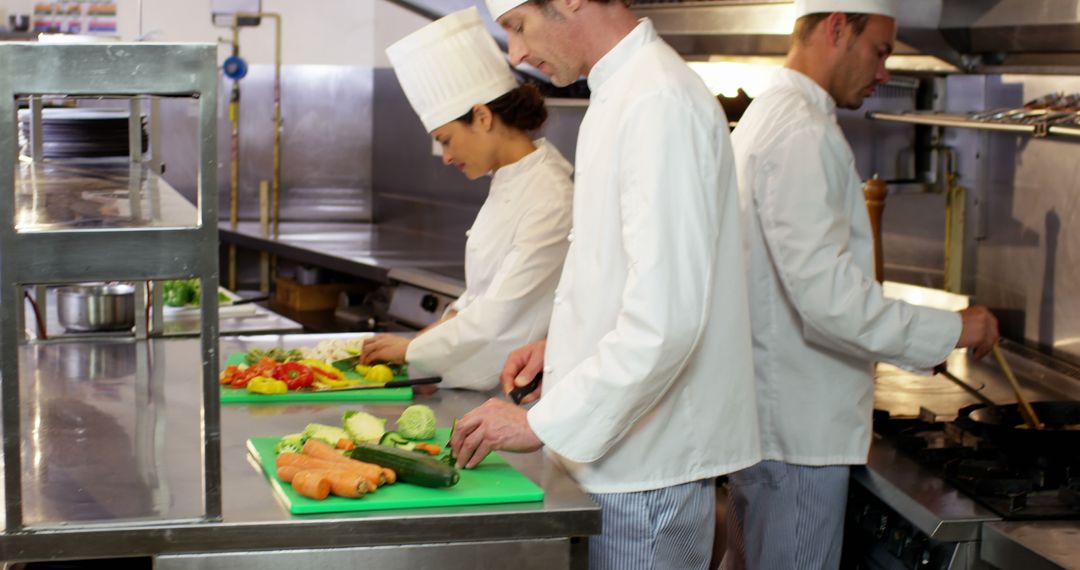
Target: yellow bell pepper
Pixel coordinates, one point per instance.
(323, 371)
(379, 373)
(266, 385)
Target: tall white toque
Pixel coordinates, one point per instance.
(804, 7)
(449, 66)
(500, 7)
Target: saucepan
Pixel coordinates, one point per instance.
(91, 307)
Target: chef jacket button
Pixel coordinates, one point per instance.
(570, 236)
(558, 300)
(468, 232)
(547, 370)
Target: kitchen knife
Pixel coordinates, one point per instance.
(346, 364)
(518, 394)
(390, 384)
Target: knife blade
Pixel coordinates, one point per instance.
(390, 384)
(346, 364)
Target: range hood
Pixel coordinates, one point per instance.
(972, 35)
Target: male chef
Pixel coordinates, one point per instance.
(819, 318)
(648, 384)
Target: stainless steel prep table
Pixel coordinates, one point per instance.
(112, 437)
(368, 251)
(933, 505)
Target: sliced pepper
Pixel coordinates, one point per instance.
(266, 385)
(322, 370)
(294, 375)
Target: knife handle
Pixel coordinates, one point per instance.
(412, 382)
(518, 394)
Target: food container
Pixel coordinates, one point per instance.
(91, 307)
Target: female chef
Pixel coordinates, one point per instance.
(461, 86)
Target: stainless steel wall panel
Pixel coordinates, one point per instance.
(326, 142)
(412, 188)
(1026, 210)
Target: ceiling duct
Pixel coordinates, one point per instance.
(972, 35)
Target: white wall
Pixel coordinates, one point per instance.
(323, 32)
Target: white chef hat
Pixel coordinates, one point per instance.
(449, 66)
(804, 7)
(500, 7)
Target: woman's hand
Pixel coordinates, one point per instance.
(385, 348)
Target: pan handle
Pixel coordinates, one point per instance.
(941, 369)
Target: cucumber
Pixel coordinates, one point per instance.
(411, 467)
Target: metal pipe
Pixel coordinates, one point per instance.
(275, 183)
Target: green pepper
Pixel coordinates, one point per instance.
(266, 385)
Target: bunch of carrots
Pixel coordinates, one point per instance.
(320, 470)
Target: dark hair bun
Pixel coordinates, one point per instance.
(523, 108)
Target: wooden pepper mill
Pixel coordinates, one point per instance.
(875, 192)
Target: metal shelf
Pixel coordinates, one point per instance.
(1036, 129)
(72, 221)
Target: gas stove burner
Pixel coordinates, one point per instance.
(1017, 484)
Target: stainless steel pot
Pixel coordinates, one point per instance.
(96, 307)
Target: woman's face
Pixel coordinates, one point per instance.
(468, 146)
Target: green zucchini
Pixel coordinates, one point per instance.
(411, 467)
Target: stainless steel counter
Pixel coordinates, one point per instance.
(1032, 546)
(111, 466)
(368, 251)
(937, 508)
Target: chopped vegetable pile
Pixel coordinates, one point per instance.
(183, 292)
(357, 458)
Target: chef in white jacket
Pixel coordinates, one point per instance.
(647, 390)
(460, 84)
(820, 321)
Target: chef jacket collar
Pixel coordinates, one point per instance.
(643, 34)
(808, 87)
(501, 177)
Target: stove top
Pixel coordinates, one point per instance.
(1015, 484)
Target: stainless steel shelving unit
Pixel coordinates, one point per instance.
(156, 246)
(1035, 127)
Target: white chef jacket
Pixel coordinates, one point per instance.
(820, 320)
(513, 257)
(648, 378)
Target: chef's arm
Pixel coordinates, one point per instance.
(802, 213)
(669, 230)
(468, 351)
(449, 314)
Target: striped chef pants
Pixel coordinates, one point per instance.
(786, 517)
(670, 528)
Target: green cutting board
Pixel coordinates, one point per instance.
(242, 396)
(493, 481)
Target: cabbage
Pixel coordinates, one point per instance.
(363, 427)
(417, 422)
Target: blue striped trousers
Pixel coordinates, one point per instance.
(670, 528)
(786, 517)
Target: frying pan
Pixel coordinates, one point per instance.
(1002, 424)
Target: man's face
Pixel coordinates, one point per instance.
(544, 38)
(861, 67)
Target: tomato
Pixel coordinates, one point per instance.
(294, 375)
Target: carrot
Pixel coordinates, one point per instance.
(311, 484)
(429, 448)
(373, 473)
(390, 474)
(320, 450)
(342, 483)
(345, 444)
